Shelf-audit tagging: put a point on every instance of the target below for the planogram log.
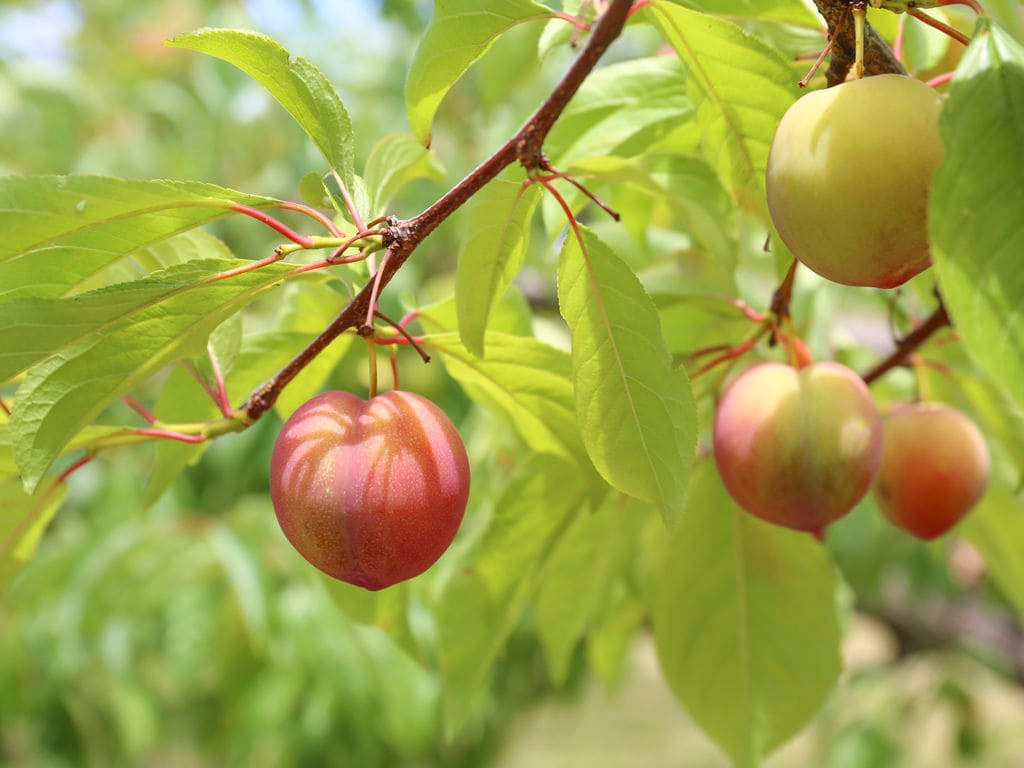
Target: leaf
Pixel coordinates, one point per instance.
(745, 623)
(66, 392)
(459, 34)
(996, 528)
(482, 605)
(23, 519)
(977, 206)
(688, 186)
(498, 230)
(789, 11)
(615, 104)
(298, 85)
(59, 230)
(637, 416)
(394, 161)
(579, 575)
(525, 380)
(742, 88)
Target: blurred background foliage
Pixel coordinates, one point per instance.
(185, 631)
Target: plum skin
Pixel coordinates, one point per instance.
(370, 492)
(848, 177)
(935, 468)
(798, 448)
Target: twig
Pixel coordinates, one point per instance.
(938, 319)
(403, 237)
(878, 56)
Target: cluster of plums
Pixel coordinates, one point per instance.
(848, 193)
(370, 492)
(801, 448)
(373, 492)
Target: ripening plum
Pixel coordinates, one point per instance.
(848, 176)
(370, 492)
(935, 467)
(798, 448)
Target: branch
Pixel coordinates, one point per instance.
(921, 624)
(403, 237)
(938, 319)
(878, 56)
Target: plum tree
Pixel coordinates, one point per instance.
(798, 448)
(848, 177)
(370, 492)
(935, 467)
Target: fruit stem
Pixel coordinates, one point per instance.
(270, 221)
(371, 353)
(557, 174)
(400, 327)
(956, 34)
(313, 213)
(4, 407)
(824, 51)
(859, 11)
(140, 409)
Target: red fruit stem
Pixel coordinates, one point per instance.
(163, 433)
(940, 79)
(574, 20)
(220, 396)
(270, 221)
(401, 329)
(905, 347)
(140, 409)
(313, 213)
(71, 470)
(897, 44)
(403, 237)
(956, 34)
(824, 52)
(557, 174)
(732, 354)
(210, 391)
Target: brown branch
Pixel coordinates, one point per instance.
(921, 624)
(938, 319)
(403, 237)
(878, 56)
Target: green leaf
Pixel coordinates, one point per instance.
(996, 528)
(459, 34)
(687, 185)
(23, 519)
(789, 11)
(745, 623)
(482, 605)
(32, 329)
(394, 161)
(67, 391)
(615, 104)
(298, 85)
(59, 230)
(525, 380)
(492, 253)
(742, 87)
(636, 415)
(977, 206)
(579, 575)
